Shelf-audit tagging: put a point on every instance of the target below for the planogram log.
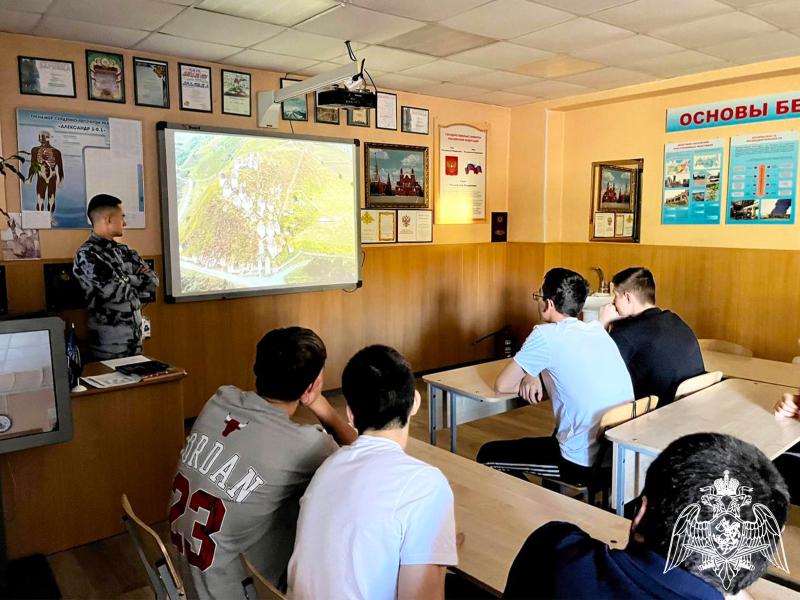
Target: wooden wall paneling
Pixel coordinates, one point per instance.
(524, 274)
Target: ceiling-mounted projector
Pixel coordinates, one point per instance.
(341, 97)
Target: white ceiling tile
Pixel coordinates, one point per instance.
(380, 58)
(495, 80)
(504, 19)
(67, 29)
(502, 99)
(354, 23)
(423, 10)
(573, 35)
(213, 27)
(500, 55)
(437, 40)
(551, 89)
(451, 90)
(714, 30)
(444, 70)
(646, 15)
(680, 63)
(784, 14)
(743, 3)
(610, 77)
(321, 67)
(278, 63)
(286, 13)
(148, 15)
(556, 66)
(395, 81)
(583, 7)
(162, 43)
(628, 50)
(18, 22)
(306, 45)
(36, 6)
(763, 47)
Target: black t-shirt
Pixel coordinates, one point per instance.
(559, 560)
(660, 351)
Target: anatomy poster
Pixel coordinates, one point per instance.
(72, 158)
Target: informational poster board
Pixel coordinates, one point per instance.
(691, 185)
(78, 156)
(762, 182)
(462, 169)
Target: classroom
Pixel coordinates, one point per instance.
(568, 223)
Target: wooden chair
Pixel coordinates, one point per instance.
(256, 586)
(695, 384)
(796, 360)
(164, 579)
(724, 346)
(601, 472)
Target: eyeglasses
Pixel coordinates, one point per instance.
(538, 296)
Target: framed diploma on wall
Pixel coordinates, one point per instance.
(150, 82)
(46, 77)
(195, 87)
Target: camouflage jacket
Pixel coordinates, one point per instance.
(109, 274)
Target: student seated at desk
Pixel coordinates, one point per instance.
(695, 478)
(245, 466)
(788, 463)
(659, 349)
(375, 523)
(584, 374)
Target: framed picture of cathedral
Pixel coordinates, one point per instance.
(616, 203)
(396, 176)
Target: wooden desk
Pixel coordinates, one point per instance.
(743, 409)
(497, 512)
(126, 439)
(468, 385)
(753, 369)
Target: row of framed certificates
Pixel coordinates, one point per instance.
(105, 82)
(396, 226)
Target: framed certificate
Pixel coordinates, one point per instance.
(378, 226)
(235, 93)
(46, 77)
(358, 117)
(414, 120)
(105, 76)
(386, 111)
(293, 109)
(195, 87)
(414, 226)
(150, 82)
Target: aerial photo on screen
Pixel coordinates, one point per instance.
(264, 212)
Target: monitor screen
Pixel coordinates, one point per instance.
(34, 392)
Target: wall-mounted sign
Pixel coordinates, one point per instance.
(785, 105)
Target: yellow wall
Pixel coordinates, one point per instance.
(630, 123)
(62, 243)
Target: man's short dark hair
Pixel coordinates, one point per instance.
(567, 289)
(288, 360)
(378, 385)
(674, 481)
(99, 203)
(638, 281)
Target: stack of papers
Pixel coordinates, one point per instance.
(128, 360)
(108, 380)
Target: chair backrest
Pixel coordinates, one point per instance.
(625, 412)
(796, 360)
(724, 346)
(256, 586)
(695, 384)
(164, 579)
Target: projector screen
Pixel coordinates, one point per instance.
(247, 213)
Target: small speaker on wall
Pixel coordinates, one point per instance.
(499, 226)
(3, 292)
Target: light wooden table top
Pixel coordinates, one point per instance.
(475, 381)
(743, 409)
(497, 512)
(753, 369)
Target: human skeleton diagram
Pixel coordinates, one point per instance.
(46, 164)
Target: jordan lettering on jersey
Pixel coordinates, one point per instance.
(197, 456)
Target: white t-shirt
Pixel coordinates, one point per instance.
(584, 374)
(369, 509)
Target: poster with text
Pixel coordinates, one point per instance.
(691, 185)
(762, 179)
(74, 157)
(462, 171)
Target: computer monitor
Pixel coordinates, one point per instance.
(35, 406)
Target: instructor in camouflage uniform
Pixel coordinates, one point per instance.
(114, 278)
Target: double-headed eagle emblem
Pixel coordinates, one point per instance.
(726, 541)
